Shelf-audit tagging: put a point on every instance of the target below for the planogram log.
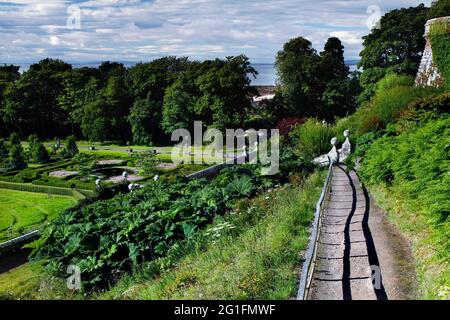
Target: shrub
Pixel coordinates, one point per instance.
(259, 241)
(385, 106)
(63, 184)
(362, 144)
(312, 138)
(26, 175)
(347, 123)
(285, 125)
(11, 179)
(147, 162)
(412, 172)
(84, 163)
(419, 160)
(393, 80)
(14, 139)
(421, 111)
(16, 159)
(71, 148)
(38, 152)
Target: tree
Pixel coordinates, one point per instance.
(38, 152)
(16, 159)
(298, 68)
(147, 83)
(3, 155)
(223, 89)
(71, 148)
(3, 149)
(178, 108)
(214, 91)
(337, 98)
(439, 8)
(118, 104)
(31, 103)
(108, 69)
(312, 84)
(101, 111)
(77, 92)
(14, 139)
(145, 120)
(333, 61)
(154, 77)
(395, 47)
(9, 74)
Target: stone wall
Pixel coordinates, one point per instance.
(428, 74)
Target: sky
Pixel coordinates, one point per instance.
(138, 30)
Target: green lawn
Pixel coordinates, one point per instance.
(107, 153)
(123, 154)
(23, 211)
(21, 282)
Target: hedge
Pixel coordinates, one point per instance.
(64, 184)
(41, 189)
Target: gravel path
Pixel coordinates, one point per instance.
(349, 249)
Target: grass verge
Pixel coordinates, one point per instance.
(21, 283)
(426, 240)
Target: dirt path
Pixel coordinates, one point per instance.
(356, 244)
(395, 255)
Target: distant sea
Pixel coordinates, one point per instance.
(267, 74)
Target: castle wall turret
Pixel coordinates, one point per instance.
(428, 73)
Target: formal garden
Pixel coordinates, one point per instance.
(54, 178)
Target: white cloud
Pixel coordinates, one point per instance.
(143, 30)
(348, 37)
(54, 40)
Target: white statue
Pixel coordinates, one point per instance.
(125, 176)
(334, 154)
(346, 149)
(98, 183)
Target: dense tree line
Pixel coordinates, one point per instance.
(439, 8)
(141, 104)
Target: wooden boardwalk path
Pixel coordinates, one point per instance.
(346, 256)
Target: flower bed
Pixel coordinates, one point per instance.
(62, 174)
